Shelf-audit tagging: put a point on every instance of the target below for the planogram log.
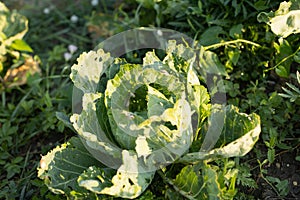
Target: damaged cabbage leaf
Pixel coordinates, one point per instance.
(284, 21)
(15, 61)
(71, 170)
(13, 27)
(238, 136)
(61, 167)
(124, 183)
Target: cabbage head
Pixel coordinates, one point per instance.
(135, 119)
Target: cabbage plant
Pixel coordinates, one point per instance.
(15, 58)
(138, 121)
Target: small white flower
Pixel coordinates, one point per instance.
(159, 32)
(67, 56)
(72, 48)
(74, 18)
(46, 11)
(94, 2)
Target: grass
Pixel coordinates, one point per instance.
(29, 126)
(28, 123)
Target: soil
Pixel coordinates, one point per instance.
(285, 167)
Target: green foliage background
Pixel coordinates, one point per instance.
(256, 74)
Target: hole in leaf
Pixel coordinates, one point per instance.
(137, 56)
(170, 126)
(138, 101)
(130, 182)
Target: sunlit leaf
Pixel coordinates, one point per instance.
(21, 45)
(283, 21)
(61, 167)
(12, 25)
(125, 182)
(238, 136)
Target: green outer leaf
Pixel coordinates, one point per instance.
(128, 182)
(239, 135)
(61, 167)
(71, 170)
